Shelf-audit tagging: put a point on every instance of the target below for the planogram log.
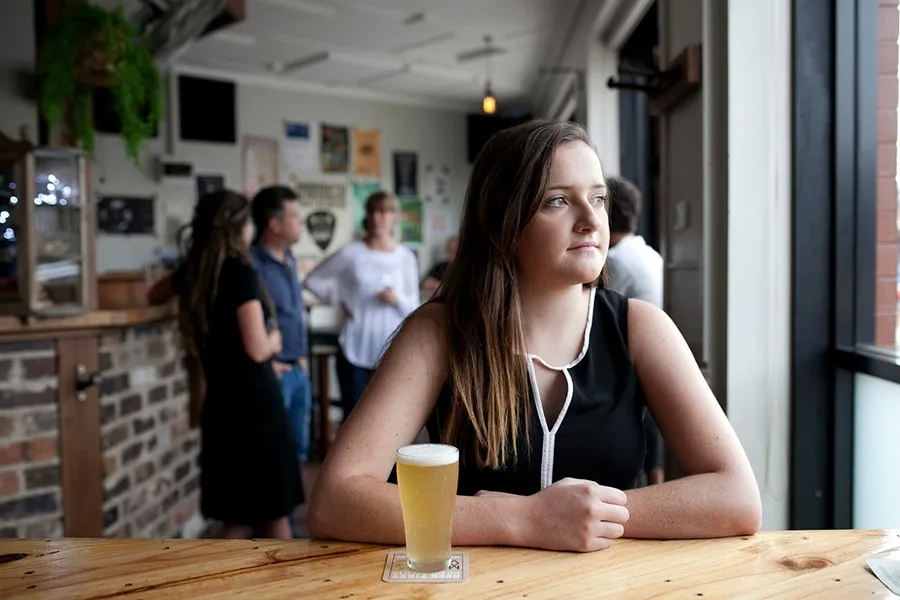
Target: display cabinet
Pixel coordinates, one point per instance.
(46, 232)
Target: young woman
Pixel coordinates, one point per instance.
(377, 282)
(539, 376)
(250, 478)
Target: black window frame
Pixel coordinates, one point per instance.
(834, 131)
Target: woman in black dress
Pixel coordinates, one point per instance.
(540, 376)
(249, 477)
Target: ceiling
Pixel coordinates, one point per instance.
(429, 51)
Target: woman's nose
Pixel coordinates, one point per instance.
(590, 217)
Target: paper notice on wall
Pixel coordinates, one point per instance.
(437, 223)
(260, 163)
(300, 154)
(436, 185)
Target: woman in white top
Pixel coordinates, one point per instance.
(376, 281)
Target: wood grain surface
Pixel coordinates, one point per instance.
(793, 564)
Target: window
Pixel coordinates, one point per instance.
(884, 331)
(877, 244)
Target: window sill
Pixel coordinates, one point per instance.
(880, 363)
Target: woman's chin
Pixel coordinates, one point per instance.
(584, 277)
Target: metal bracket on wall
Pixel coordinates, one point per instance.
(666, 88)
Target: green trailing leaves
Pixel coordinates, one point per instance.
(89, 47)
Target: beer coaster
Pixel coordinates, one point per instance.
(397, 571)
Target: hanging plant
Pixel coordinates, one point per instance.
(90, 47)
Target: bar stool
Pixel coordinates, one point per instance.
(320, 355)
(325, 323)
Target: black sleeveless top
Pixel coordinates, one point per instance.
(598, 435)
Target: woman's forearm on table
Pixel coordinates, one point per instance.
(368, 510)
(698, 506)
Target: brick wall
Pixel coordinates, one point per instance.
(151, 476)
(30, 492)
(886, 226)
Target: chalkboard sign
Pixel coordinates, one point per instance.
(126, 215)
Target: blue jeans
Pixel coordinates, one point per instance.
(352, 381)
(297, 393)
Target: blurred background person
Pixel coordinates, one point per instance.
(434, 277)
(250, 478)
(276, 214)
(376, 281)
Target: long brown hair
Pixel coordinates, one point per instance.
(214, 234)
(488, 377)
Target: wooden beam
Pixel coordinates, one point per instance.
(79, 441)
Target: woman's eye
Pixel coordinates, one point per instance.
(556, 201)
(599, 200)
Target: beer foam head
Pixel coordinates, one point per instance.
(428, 455)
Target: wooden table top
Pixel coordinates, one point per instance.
(793, 564)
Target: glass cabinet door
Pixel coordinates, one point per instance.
(57, 244)
(11, 178)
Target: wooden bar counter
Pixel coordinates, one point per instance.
(792, 564)
(95, 437)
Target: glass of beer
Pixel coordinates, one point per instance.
(427, 475)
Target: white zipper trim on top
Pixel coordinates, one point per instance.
(548, 445)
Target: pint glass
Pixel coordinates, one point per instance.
(427, 475)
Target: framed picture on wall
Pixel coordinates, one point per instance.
(259, 157)
(406, 174)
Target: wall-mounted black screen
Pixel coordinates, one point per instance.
(207, 110)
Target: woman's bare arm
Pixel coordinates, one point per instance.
(719, 495)
(352, 499)
(259, 344)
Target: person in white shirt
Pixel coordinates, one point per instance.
(635, 268)
(376, 281)
(635, 271)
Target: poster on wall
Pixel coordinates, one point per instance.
(259, 162)
(335, 149)
(361, 192)
(207, 183)
(327, 211)
(299, 147)
(367, 152)
(411, 221)
(436, 184)
(316, 195)
(405, 174)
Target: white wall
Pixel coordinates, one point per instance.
(437, 135)
(725, 204)
(759, 252)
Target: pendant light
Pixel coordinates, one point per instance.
(489, 103)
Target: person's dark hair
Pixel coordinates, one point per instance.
(487, 379)
(625, 202)
(268, 204)
(214, 234)
(379, 200)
